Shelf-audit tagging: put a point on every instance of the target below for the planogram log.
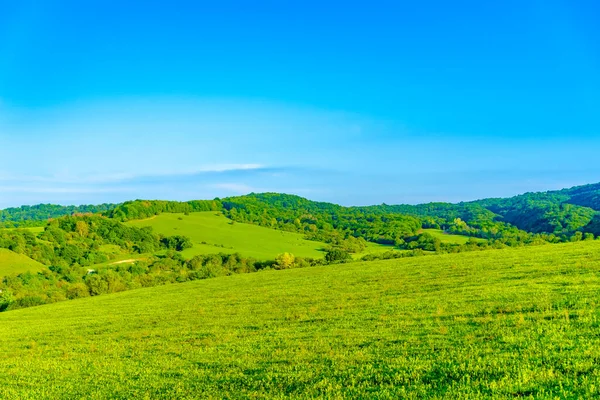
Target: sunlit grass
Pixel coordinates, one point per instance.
(499, 323)
(13, 263)
(212, 233)
(449, 238)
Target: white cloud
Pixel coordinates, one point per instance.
(66, 178)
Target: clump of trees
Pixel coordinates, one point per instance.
(139, 209)
(177, 242)
(337, 256)
(81, 240)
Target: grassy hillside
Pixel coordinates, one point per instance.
(13, 263)
(500, 323)
(212, 233)
(33, 229)
(449, 238)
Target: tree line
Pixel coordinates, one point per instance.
(38, 215)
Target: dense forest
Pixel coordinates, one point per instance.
(562, 212)
(140, 209)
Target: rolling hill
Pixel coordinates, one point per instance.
(212, 233)
(449, 238)
(13, 263)
(500, 323)
(560, 212)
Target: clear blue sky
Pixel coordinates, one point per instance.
(350, 102)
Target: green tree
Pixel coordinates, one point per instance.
(337, 256)
(6, 299)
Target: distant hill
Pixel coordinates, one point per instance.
(560, 213)
(212, 233)
(38, 215)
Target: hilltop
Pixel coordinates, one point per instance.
(559, 212)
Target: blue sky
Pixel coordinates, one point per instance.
(349, 102)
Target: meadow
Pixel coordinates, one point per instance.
(33, 229)
(492, 324)
(449, 238)
(211, 233)
(13, 263)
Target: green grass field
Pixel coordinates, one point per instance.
(374, 248)
(491, 324)
(220, 236)
(34, 229)
(449, 238)
(13, 263)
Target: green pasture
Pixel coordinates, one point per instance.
(492, 324)
(449, 238)
(212, 233)
(34, 229)
(13, 263)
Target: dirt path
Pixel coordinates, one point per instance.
(125, 261)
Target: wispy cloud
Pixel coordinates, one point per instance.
(126, 176)
(204, 181)
(185, 149)
(229, 167)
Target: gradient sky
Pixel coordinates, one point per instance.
(350, 102)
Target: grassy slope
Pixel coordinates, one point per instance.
(13, 263)
(373, 248)
(34, 229)
(246, 239)
(216, 231)
(499, 323)
(449, 238)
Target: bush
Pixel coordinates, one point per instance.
(337, 256)
(77, 290)
(284, 261)
(6, 299)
